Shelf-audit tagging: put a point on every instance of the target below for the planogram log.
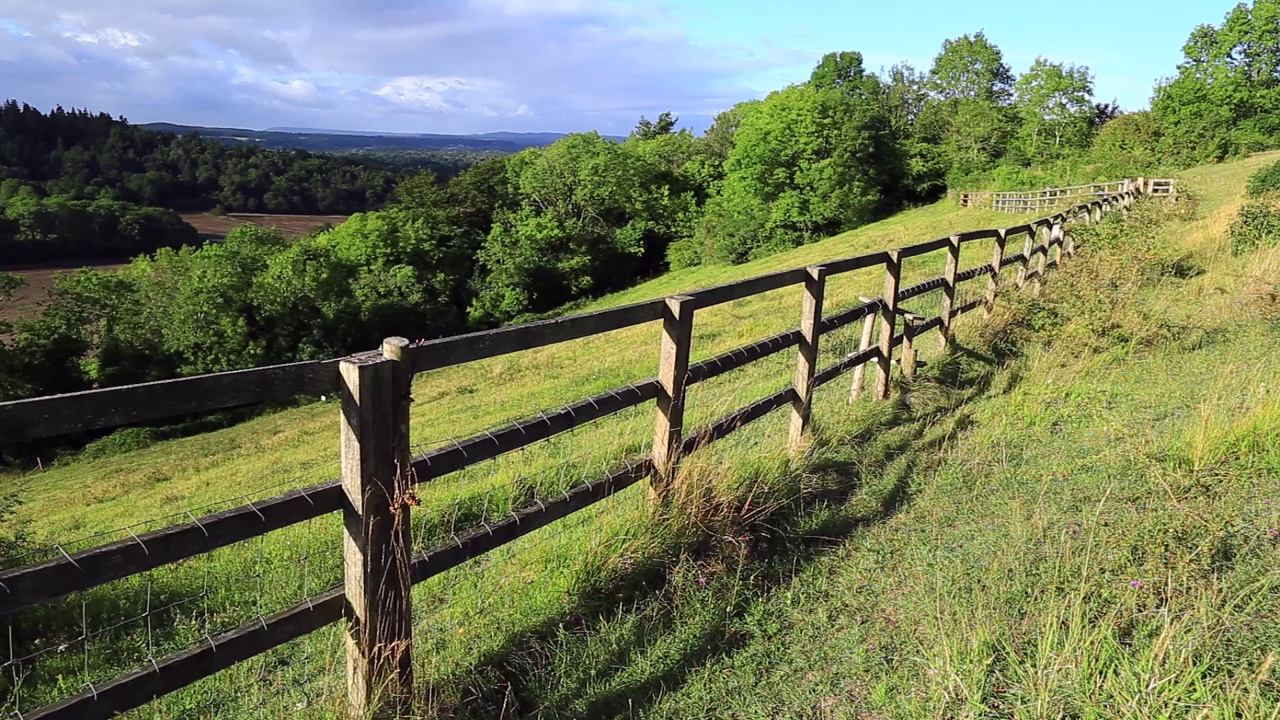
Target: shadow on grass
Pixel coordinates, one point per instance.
(597, 660)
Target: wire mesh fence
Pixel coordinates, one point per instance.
(78, 642)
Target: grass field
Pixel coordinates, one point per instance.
(1073, 517)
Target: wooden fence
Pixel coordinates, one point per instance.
(378, 472)
(1054, 198)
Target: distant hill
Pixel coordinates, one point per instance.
(321, 140)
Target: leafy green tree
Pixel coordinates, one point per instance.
(1128, 145)
(969, 117)
(1055, 104)
(1226, 96)
(590, 218)
(841, 71)
(971, 67)
(804, 165)
(83, 155)
(906, 96)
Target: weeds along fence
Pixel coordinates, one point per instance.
(1053, 198)
(379, 560)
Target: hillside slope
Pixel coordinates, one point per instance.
(297, 447)
(1090, 531)
(1034, 528)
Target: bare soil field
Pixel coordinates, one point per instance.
(216, 227)
(40, 281)
(212, 228)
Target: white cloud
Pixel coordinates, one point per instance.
(111, 37)
(415, 65)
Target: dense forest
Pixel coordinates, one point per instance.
(83, 156)
(525, 234)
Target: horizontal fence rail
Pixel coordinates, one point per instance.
(374, 391)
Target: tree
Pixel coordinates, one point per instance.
(1226, 96)
(971, 67)
(1128, 145)
(906, 95)
(589, 219)
(968, 115)
(1055, 104)
(1104, 113)
(805, 164)
(843, 72)
(648, 129)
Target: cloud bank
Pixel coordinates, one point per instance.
(389, 65)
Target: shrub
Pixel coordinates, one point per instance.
(14, 541)
(1256, 225)
(684, 253)
(1264, 181)
(120, 442)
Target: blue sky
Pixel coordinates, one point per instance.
(559, 65)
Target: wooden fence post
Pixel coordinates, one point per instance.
(909, 323)
(807, 358)
(1042, 262)
(673, 370)
(1056, 241)
(860, 372)
(949, 292)
(993, 285)
(375, 478)
(1027, 246)
(888, 318)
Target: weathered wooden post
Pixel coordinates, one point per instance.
(673, 370)
(807, 358)
(993, 285)
(1028, 244)
(910, 321)
(1142, 185)
(1042, 262)
(860, 372)
(1055, 241)
(948, 292)
(374, 435)
(888, 318)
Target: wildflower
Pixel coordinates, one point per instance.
(1273, 532)
(1135, 584)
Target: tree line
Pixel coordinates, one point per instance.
(85, 156)
(513, 237)
(38, 230)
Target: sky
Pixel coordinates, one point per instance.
(470, 66)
